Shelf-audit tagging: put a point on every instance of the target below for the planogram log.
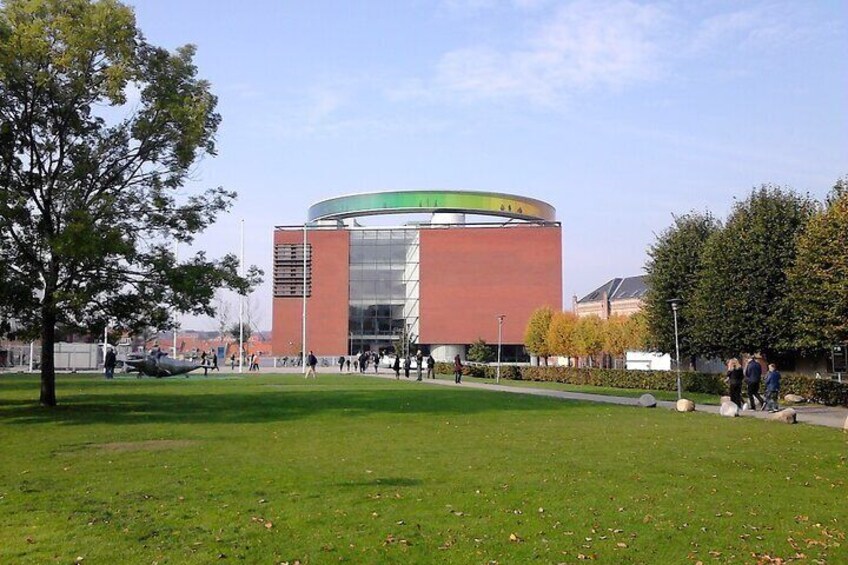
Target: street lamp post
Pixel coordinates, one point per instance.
(675, 304)
(500, 334)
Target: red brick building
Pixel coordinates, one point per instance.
(440, 285)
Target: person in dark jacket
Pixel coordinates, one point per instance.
(341, 363)
(407, 364)
(457, 370)
(431, 367)
(109, 363)
(734, 381)
(311, 363)
(753, 372)
(772, 388)
(396, 366)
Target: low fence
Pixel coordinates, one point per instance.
(66, 356)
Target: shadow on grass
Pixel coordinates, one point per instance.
(265, 404)
(382, 482)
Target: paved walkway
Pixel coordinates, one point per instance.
(816, 414)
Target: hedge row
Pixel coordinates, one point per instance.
(823, 391)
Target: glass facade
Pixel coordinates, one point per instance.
(383, 290)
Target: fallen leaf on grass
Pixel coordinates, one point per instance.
(515, 538)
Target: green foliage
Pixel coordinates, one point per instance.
(741, 302)
(536, 334)
(93, 194)
(589, 337)
(480, 352)
(246, 331)
(560, 338)
(822, 391)
(615, 335)
(818, 280)
(620, 378)
(637, 337)
(673, 272)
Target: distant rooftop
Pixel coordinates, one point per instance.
(618, 289)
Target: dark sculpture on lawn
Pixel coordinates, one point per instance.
(159, 365)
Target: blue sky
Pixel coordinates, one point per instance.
(618, 113)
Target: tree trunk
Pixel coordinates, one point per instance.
(48, 365)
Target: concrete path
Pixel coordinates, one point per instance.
(816, 414)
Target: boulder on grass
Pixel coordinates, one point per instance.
(724, 399)
(684, 405)
(794, 398)
(787, 416)
(648, 401)
(729, 410)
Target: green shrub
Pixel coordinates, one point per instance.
(617, 378)
(822, 391)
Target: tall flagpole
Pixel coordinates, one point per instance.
(303, 341)
(241, 303)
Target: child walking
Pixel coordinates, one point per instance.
(772, 388)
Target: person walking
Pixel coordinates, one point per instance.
(376, 359)
(772, 388)
(753, 372)
(347, 364)
(341, 363)
(431, 367)
(215, 361)
(734, 381)
(396, 367)
(407, 364)
(203, 363)
(419, 364)
(233, 362)
(311, 362)
(109, 363)
(457, 369)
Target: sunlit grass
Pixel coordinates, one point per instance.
(267, 469)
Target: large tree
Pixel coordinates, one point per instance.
(741, 303)
(560, 338)
(92, 183)
(536, 333)
(672, 272)
(589, 338)
(819, 278)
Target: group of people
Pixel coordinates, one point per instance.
(209, 362)
(425, 366)
(751, 376)
(252, 361)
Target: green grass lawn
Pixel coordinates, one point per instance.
(270, 469)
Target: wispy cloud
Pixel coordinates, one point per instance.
(594, 45)
(583, 45)
(761, 26)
